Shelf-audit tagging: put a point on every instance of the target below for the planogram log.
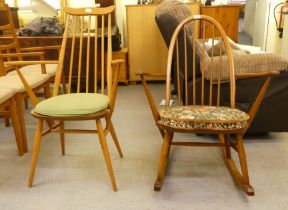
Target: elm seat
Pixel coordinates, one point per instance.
(5, 94)
(15, 83)
(203, 117)
(31, 69)
(73, 104)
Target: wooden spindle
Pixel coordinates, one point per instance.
(102, 56)
(178, 73)
(109, 58)
(212, 67)
(185, 69)
(219, 73)
(203, 64)
(88, 55)
(194, 37)
(80, 54)
(95, 55)
(72, 54)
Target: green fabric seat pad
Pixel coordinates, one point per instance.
(73, 104)
(203, 117)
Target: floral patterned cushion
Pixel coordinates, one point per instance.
(203, 117)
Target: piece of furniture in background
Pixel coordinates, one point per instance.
(4, 20)
(8, 108)
(226, 15)
(36, 77)
(123, 71)
(107, 3)
(147, 51)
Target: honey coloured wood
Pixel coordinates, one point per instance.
(147, 49)
(227, 16)
(98, 93)
(198, 108)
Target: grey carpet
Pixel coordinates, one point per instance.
(197, 178)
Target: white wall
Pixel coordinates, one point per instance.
(39, 9)
(82, 3)
(121, 18)
(249, 16)
(260, 23)
(265, 33)
(284, 45)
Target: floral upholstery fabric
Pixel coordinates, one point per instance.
(203, 117)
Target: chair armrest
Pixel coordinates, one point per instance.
(141, 73)
(254, 75)
(31, 49)
(27, 54)
(23, 63)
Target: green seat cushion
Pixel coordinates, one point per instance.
(203, 117)
(73, 104)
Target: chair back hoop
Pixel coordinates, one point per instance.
(86, 51)
(10, 31)
(190, 54)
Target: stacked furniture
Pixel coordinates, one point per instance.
(36, 75)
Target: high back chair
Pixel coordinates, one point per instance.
(198, 108)
(91, 99)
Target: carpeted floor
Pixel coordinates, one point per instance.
(197, 178)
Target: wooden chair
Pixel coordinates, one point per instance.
(7, 99)
(86, 103)
(38, 76)
(13, 50)
(13, 82)
(198, 109)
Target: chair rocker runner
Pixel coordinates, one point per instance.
(85, 103)
(199, 110)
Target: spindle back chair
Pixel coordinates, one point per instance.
(198, 108)
(81, 101)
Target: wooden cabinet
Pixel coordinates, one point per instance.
(146, 47)
(123, 73)
(14, 13)
(227, 16)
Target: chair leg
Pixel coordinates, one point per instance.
(6, 120)
(47, 92)
(163, 161)
(243, 163)
(62, 137)
(26, 103)
(37, 141)
(105, 151)
(20, 105)
(242, 179)
(16, 127)
(115, 139)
